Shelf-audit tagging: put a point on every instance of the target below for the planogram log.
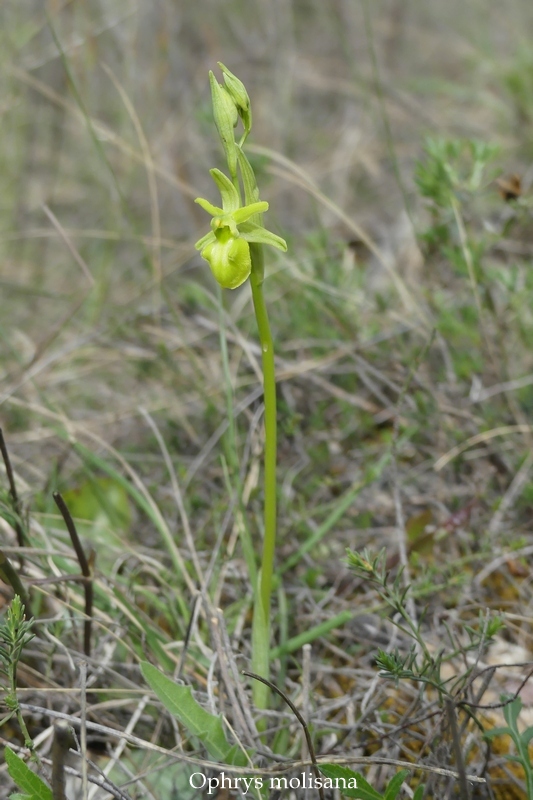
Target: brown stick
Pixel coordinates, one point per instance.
(85, 570)
(12, 490)
(300, 719)
(60, 746)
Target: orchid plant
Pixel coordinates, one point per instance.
(233, 249)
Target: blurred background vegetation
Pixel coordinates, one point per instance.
(107, 139)
(407, 291)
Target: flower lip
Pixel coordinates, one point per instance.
(229, 259)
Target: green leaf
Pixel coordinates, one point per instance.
(527, 735)
(364, 790)
(515, 759)
(25, 779)
(207, 727)
(395, 784)
(511, 712)
(496, 732)
(419, 792)
(243, 214)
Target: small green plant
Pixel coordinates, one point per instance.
(32, 785)
(453, 169)
(15, 633)
(363, 790)
(451, 177)
(418, 663)
(511, 712)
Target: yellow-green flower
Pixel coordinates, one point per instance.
(226, 247)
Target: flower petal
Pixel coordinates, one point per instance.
(256, 233)
(207, 239)
(244, 213)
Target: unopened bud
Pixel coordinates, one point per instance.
(240, 97)
(226, 117)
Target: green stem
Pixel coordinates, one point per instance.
(13, 697)
(269, 389)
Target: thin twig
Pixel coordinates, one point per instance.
(469, 261)
(83, 730)
(71, 248)
(119, 749)
(60, 746)
(508, 699)
(227, 654)
(513, 491)
(300, 719)
(85, 570)
(216, 622)
(306, 692)
(456, 745)
(188, 633)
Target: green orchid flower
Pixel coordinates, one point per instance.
(226, 247)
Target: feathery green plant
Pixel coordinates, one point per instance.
(417, 663)
(15, 633)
